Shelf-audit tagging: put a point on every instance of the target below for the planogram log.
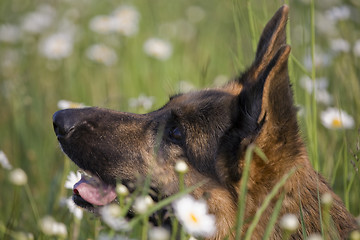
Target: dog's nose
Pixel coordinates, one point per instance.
(64, 122)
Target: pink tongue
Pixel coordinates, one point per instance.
(97, 194)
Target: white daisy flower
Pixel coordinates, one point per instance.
(308, 84)
(334, 118)
(39, 20)
(338, 13)
(102, 54)
(122, 190)
(142, 101)
(181, 166)
(125, 20)
(315, 236)
(142, 204)
(101, 24)
(111, 215)
(72, 178)
(327, 199)
(74, 209)
(64, 104)
(320, 85)
(159, 233)
(323, 96)
(193, 215)
(18, 177)
(9, 33)
(57, 46)
(321, 60)
(4, 161)
(289, 222)
(51, 227)
(340, 45)
(325, 25)
(158, 48)
(185, 86)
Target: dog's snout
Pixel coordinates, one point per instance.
(63, 123)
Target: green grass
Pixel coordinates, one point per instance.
(223, 45)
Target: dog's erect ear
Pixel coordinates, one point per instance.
(266, 90)
(272, 38)
(264, 105)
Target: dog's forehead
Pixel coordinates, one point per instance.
(201, 97)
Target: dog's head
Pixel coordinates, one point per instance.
(209, 129)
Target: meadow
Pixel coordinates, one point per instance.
(131, 56)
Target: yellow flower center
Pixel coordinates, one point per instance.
(336, 123)
(193, 218)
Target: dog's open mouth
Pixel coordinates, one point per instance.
(90, 192)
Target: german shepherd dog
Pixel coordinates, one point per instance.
(210, 129)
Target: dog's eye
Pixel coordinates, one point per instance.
(175, 134)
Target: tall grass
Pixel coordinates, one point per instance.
(223, 44)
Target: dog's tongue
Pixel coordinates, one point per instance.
(94, 192)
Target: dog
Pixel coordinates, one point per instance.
(210, 129)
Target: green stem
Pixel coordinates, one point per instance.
(313, 77)
(32, 203)
(252, 26)
(243, 191)
(145, 228)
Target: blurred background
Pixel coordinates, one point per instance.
(131, 55)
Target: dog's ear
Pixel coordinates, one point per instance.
(264, 111)
(266, 93)
(272, 38)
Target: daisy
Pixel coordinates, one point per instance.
(122, 190)
(159, 233)
(315, 236)
(193, 215)
(327, 199)
(142, 101)
(72, 178)
(142, 204)
(51, 227)
(64, 104)
(9, 33)
(57, 46)
(158, 48)
(181, 166)
(185, 86)
(39, 20)
(4, 162)
(320, 85)
(289, 222)
(74, 209)
(111, 215)
(334, 118)
(101, 24)
(321, 60)
(339, 45)
(102, 54)
(18, 177)
(338, 13)
(125, 20)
